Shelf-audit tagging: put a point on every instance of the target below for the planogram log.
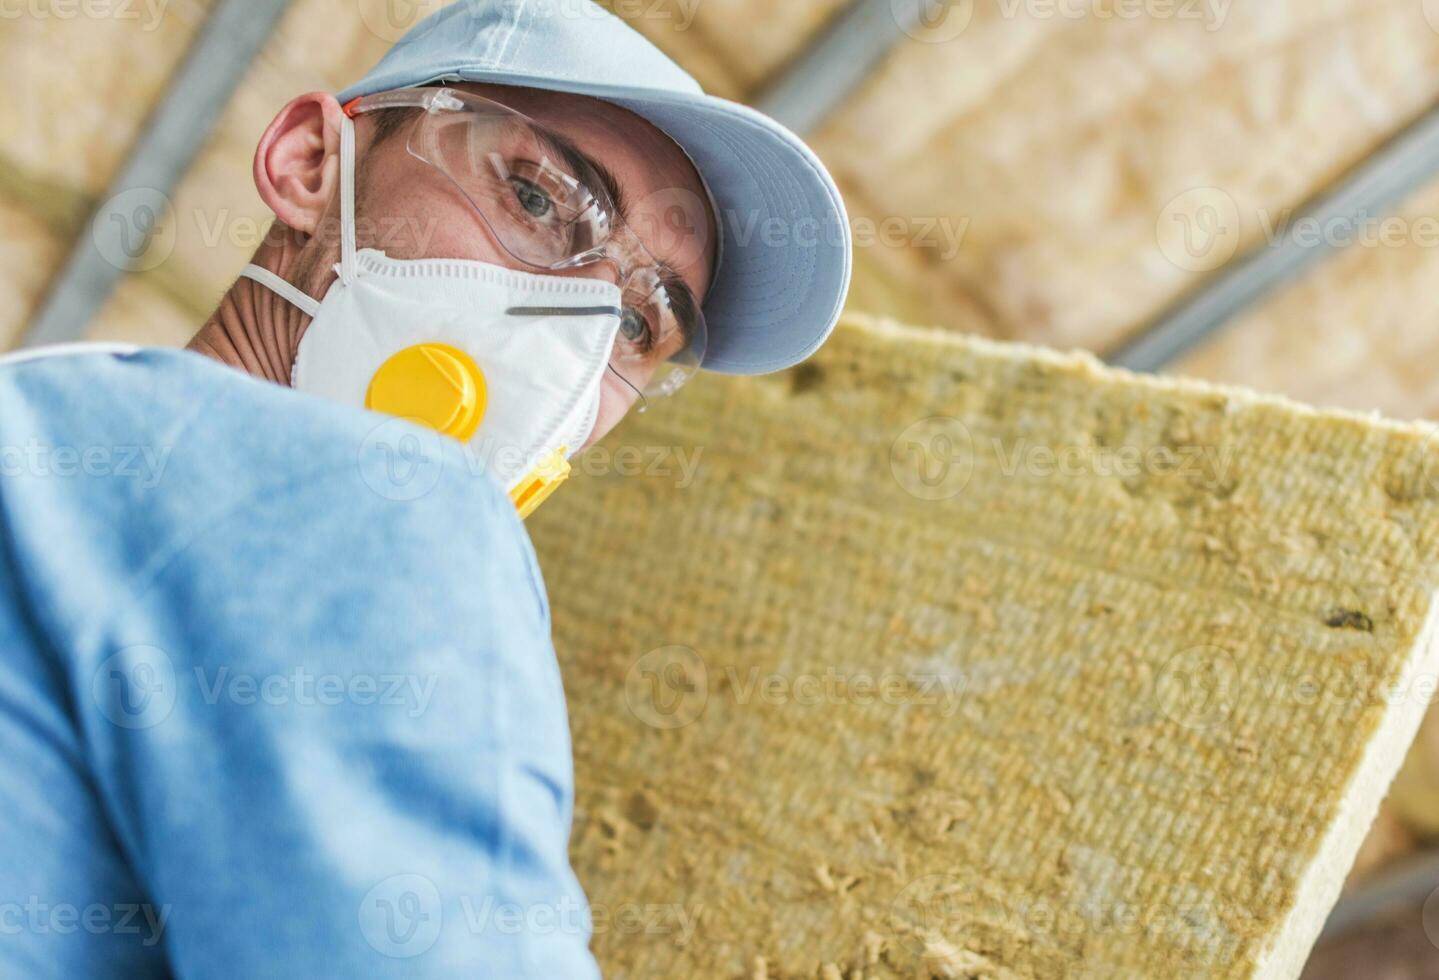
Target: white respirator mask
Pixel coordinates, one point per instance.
(508, 362)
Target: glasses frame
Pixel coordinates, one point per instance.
(621, 247)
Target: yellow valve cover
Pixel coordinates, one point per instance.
(433, 384)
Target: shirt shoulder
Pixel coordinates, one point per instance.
(114, 463)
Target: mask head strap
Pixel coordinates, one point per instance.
(346, 267)
(347, 199)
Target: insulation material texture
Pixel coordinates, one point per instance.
(943, 658)
(1358, 331)
(1060, 172)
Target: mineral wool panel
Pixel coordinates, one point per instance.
(939, 657)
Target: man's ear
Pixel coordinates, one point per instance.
(297, 164)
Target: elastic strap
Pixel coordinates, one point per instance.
(303, 301)
(347, 200)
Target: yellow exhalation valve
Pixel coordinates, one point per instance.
(441, 387)
(436, 385)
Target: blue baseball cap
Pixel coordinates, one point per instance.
(784, 248)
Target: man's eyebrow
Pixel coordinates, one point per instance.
(590, 171)
(682, 300)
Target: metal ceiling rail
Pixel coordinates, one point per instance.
(115, 239)
(1406, 163)
(824, 74)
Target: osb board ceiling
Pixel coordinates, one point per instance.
(993, 663)
(1071, 153)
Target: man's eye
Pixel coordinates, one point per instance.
(532, 197)
(636, 329)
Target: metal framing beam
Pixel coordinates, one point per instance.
(117, 235)
(842, 57)
(1406, 163)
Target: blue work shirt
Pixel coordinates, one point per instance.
(277, 690)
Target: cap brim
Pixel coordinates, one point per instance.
(784, 235)
(785, 240)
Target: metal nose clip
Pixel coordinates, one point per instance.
(564, 311)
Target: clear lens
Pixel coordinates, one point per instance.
(539, 209)
(547, 209)
(661, 340)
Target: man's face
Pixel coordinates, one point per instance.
(412, 211)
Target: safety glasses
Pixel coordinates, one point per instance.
(547, 206)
